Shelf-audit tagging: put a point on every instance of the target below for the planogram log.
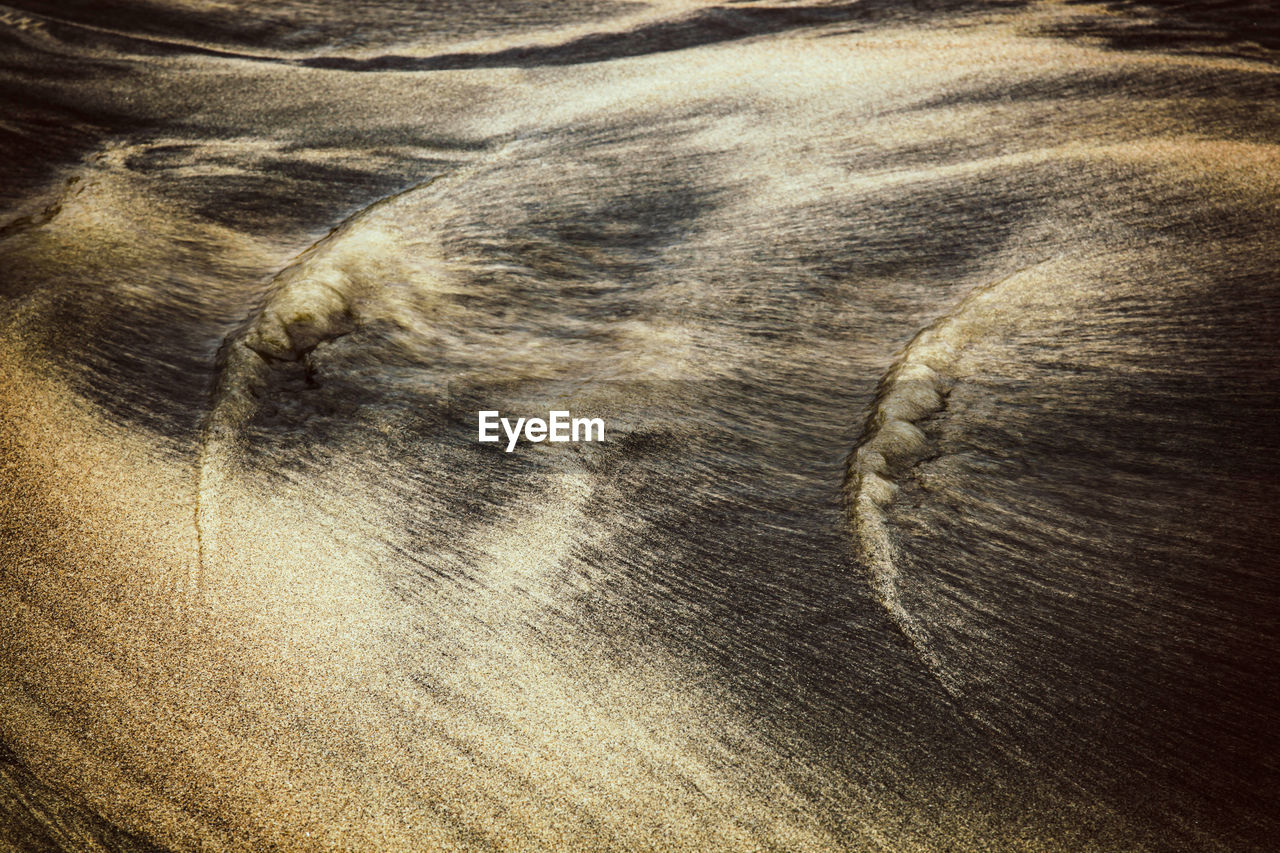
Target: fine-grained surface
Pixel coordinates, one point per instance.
(936, 345)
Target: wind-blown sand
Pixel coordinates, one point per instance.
(936, 346)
